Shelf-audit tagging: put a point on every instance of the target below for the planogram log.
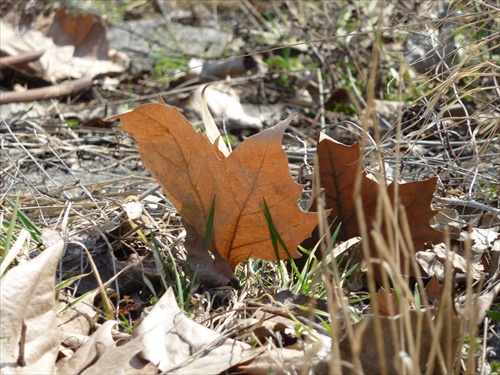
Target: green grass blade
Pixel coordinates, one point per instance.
(77, 301)
(418, 301)
(274, 239)
(349, 271)
(10, 230)
(163, 263)
(210, 224)
(177, 277)
(27, 223)
(335, 234)
(70, 281)
(494, 314)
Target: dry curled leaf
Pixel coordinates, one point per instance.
(194, 173)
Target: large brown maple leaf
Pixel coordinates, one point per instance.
(194, 173)
(338, 168)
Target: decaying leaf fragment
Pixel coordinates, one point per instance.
(193, 172)
(339, 165)
(166, 341)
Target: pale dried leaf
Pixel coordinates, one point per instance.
(431, 266)
(448, 219)
(67, 55)
(180, 346)
(77, 319)
(297, 359)
(483, 238)
(122, 359)
(89, 352)
(27, 297)
(458, 262)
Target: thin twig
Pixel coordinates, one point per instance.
(468, 203)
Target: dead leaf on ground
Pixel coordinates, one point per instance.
(448, 219)
(459, 262)
(166, 340)
(107, 352)
(178, 345)
(338, 167)
(211, 269)
(483, 238)
(76, 318)
(75, 45)
(430, 264)
(28, 315)
(433, 262)
(90, 351)
(194, 173)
